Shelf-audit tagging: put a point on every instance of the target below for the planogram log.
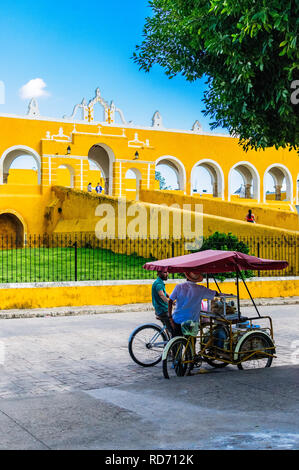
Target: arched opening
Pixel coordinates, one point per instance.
(244, 182)
(95, 175)
(20, 165)
(207, 179)
(171, 173)
(278, 184)
(11, 230)
(103, 157)
(132, 183)
(65, 176)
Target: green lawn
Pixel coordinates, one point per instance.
(58, 264)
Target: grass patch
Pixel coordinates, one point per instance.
(59, 264)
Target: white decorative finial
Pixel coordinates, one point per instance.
(197, 128)
(157, 120)
(33, 108)
(83, 107)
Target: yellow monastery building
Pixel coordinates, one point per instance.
(74, 151)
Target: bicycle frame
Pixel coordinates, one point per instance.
(230, 353)
(156, 335)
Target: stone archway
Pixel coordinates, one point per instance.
(177, 167)
(280, 174)
(11, 154)
(251, 180)
(12, 230)
(215, 173)
(103, 157)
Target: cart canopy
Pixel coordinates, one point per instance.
(214, 261)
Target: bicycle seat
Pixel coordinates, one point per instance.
(236, 319)
(160, 319)
(242, 319)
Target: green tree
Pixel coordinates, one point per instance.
(161, 179)
(247, 49)
(226, 242)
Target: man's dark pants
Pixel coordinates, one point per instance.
(166, 322)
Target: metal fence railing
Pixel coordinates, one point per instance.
(77, 257)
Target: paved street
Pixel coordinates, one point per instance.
(68, 382)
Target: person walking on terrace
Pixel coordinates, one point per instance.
(250, 217)
(99, 188)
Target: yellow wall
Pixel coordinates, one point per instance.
(264, 214)
(130, 191)
(271, 197)
(18, 176)
(83, 212)
(80, 208)
(122, 294)
(27, 203)
(94, 177)
(29, 177)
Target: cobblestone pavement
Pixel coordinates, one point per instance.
(65, 354)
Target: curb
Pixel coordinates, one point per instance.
(105, 309)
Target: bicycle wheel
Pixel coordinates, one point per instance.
(262, 345)
(178, 359)
(146, 344)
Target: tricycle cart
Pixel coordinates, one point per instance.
(223, 336)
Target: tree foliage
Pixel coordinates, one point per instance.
(226, 242)
(161, 179)
(247, 49)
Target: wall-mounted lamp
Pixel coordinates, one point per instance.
(68, 150)
(136, 155)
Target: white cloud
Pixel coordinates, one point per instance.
(35, 88)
